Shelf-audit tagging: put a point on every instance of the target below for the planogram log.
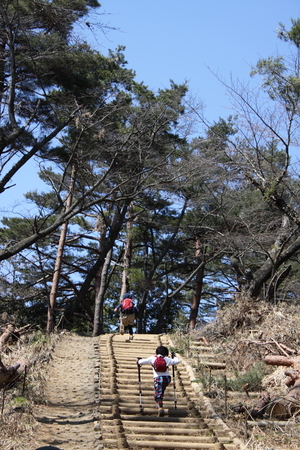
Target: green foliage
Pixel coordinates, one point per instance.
(19, 402)
(136, 277)
(293, 35)
(252, 379)
(126, 144)
(15, 227)
(280, 79)
(39, 339)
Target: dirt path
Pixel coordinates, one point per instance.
(69, 420)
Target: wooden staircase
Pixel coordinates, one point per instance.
(128, 417)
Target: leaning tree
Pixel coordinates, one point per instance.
(259, 158)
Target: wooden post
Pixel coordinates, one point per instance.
(225, 394)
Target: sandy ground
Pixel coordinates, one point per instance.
(69, 419)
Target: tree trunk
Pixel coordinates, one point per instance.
(156, 264)
(99, 289)
(109, 242)
(278, 254)
(99, 296)
(59, 256)
(101, 275)
(162, 314)
(198, 288)
(164, 306)
(127, 254)
(141, 322)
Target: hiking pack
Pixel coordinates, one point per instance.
(160, 364)
(127, 305)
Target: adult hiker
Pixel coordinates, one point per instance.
(128, 314)
(161, 376)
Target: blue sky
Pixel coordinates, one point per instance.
(184, 41)
(188, 40)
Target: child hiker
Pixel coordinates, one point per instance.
(128, 314)
(162, 378)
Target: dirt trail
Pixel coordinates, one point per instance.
(68, 421)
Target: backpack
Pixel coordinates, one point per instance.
(160, 364)
(127, 305)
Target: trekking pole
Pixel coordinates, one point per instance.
(174, 383)
(140, 385)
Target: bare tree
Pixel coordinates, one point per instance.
(259, 156)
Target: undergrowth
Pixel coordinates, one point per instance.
(17, 423)
(250, 380)
(241, 336)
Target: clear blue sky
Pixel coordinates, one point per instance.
(181, 40)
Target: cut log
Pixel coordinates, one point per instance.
(284, 409)
(289, 404)
(279, 360)
(292, 377)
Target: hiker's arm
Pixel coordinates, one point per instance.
(145, 361)
(173, 361)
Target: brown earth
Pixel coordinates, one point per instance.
(68, 420)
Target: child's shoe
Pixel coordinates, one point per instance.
(160, 412)
(131, 336)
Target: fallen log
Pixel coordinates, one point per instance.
(276, 423)
(288, 404)
(284, 409)
(279, 360)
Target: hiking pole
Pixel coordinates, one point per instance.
(174, 383)
(140, 384)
